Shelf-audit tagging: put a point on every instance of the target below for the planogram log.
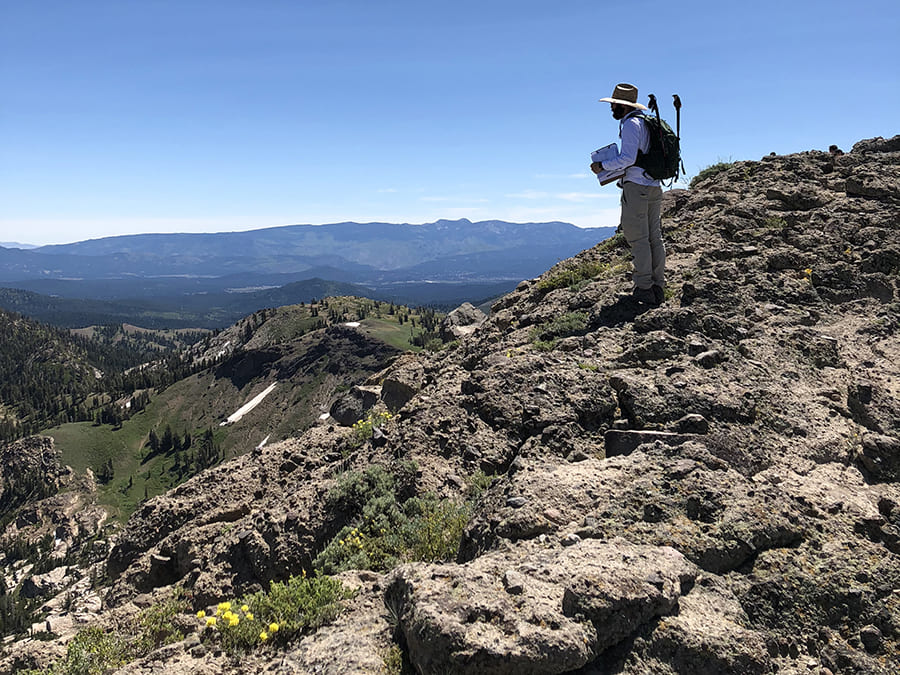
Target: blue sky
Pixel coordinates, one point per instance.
(129, 116)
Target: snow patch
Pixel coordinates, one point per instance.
(250, 405)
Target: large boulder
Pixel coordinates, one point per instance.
(534, 609)
(462, 322)
(353, 405)
(403, 381)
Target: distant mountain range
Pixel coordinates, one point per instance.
(438, 263)
(361, 253)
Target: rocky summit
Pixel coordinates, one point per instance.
(705, 487)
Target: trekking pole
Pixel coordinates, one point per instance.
(676, 101)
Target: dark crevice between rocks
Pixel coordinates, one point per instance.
(398, 637)
(625, 310)
(614, 659)
(859, 397)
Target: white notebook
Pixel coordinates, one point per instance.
(604, 154)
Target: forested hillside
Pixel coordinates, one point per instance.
(51, 376)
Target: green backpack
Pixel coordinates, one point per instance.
(664, 156)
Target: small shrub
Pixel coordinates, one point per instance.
(478, 482)
(93, 650)
(355, 489)
(388, 526)
(363, 429)
(387, 533)
(710, 171)
(569, 276)
(435, 529)
(616, 241)
(561, 326)
(284, 611)
(775, 222)
(544, 345)
(392, 661)
(434, 345)
(157, 625)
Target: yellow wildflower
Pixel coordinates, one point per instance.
(211, 622)
(273, 627)
(808, 271)
(245, 609)
(201, 614)
(224, 606)
(234, 620)
(264, 636)
(249, 616)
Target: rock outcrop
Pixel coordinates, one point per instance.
(462, 322)
(709, 486)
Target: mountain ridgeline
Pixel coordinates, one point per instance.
(574, 484)
(212, 280)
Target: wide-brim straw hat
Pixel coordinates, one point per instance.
(626, 94)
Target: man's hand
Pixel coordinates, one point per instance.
(596, 167)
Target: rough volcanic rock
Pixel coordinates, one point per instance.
(353, 406)
(234, 528)
(565, 607)
(461, 322)
(402, 383)
(29, 469)
(356, 642)
(707, 636)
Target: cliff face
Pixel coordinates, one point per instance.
(710, 486)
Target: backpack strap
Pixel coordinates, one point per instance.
(649, 131)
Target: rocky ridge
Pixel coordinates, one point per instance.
(710, 486)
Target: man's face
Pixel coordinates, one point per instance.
(618, 110)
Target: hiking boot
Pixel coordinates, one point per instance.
(659, 293)
(645, 296)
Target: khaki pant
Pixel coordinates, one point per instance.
(642, 229)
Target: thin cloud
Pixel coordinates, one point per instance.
(528, 194)
(562, 176)
(479, 200)
(583, 196)
(562, 196)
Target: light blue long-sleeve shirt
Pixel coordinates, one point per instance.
(635, 136)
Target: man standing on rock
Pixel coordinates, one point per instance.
(641, 197)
